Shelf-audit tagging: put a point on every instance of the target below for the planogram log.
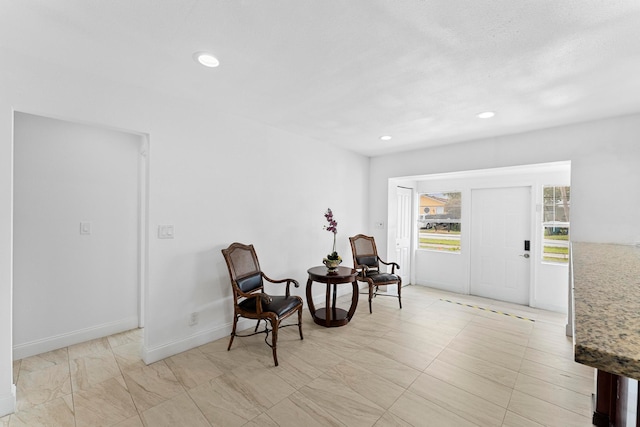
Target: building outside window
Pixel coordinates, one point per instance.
(439, 221)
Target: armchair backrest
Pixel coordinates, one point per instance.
(244, 269)
(364, 251)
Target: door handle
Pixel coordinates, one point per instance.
(525, 255)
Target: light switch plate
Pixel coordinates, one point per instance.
(165, 232)
(85, 228)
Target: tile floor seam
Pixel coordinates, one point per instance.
(197, 406)
(546, 352)
(452, 411)
(73, 397)
(538, 422)
(251, 421)
(509, 403)
(482, 361)
(135, 405)
(400, 416)
(389, 412)
(465, 391)
(555, 385)
(521, 360)
(124, 380)
(558, 385)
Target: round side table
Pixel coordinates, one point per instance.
(330, 315)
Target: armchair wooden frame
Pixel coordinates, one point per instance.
(367, 262)
(251, 302)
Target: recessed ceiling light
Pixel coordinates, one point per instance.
(206, 59)
(385, 137)
(486, 115)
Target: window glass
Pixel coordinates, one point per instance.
(439, 221)
(555, 224)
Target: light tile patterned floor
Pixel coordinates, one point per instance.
(433, 363)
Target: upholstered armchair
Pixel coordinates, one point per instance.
(367, 262)
(250, 301)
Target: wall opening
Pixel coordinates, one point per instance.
(451, 271)
(79, 226)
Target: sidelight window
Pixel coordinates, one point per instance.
(555, 225)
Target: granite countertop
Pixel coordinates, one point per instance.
(606, 281)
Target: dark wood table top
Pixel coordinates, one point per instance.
(322, 274)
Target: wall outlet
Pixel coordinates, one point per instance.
(193, 319)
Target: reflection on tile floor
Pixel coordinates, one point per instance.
(433, 363)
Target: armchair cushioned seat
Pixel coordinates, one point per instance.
(378, 277)
(278, 305)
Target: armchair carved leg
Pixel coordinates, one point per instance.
(233, 331)
(300, 322)
(399, 290)
(274, 340)
(370, 297)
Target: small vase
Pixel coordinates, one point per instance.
(331, 264)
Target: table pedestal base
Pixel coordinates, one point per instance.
(337, 317)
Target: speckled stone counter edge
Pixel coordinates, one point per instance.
(606, 294)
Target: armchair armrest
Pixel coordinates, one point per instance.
(260, 297)
(393, 265)
(287, 281)
(364, 269)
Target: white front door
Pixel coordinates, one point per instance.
(403, 234)
(500, 223)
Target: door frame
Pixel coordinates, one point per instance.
(143, 229)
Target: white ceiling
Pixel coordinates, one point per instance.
(345, 72)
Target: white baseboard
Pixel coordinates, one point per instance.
(154, 354)
(160, 352)
(568, 330)
(8, 402)
(552, 307)
(20, 351)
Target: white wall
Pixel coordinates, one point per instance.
(68, 287)
(217, 178)
(604, 155)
